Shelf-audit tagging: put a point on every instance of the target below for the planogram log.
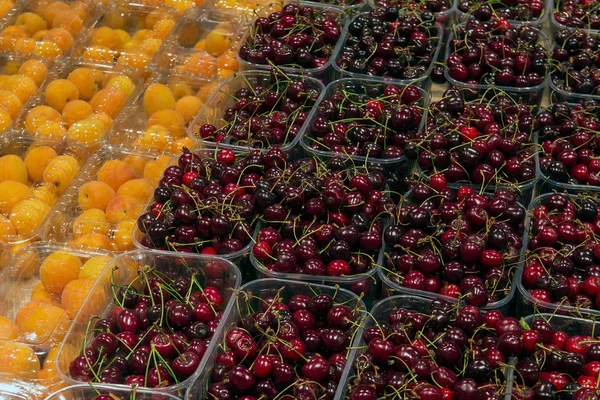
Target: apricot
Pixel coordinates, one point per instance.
(87, 81)
(136, 60)
(11, 193)
(182, 143)
(138, 163)
(36, 161)
(52, 130)
(154, 169)
(39, 115)
(122, 236)
(140, 189)
(109, 100)
(42, 323)
(10, 103)
(5, 120)
(6, 227)
(31, 22)
(28, 215)
(47, 50)
(93, 240)
(170, 119)
(45, 192)
(39, 293)
(105, 36)
(57, 270)
(52, 10)
(156, 137)
(61, 37)
(188, 107)
(115, 173)
(180, 89)
(158, 97)
(104, 118)
(12, 168)
(90, 221)
(21, 86)
(88, 131)
(76, 110)
(95, 194)
(93, 269)
(60, 171)
(122, 82)
(8, 330)
(70, 20)
(120, 208)
(75, 293)
(18, 359)
(59, 92)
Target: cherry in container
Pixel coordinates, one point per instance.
(442, 10)
(514, 12)
(106, 392)
(575, 14)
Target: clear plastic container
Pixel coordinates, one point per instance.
(223, 275)
(561, 96)
(379, 315)
(556, 26)
(539, 22)
(35, 173)
(244, 306)
(165, 131)
(533, 95)
(89, 392)
(203, 44)
(224, 98)
(126, 34)
(359, 86)
(113, 182)
(423, 81)
(324, 72)
(63, 23)
(56, 111)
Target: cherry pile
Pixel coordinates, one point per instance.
(576, 61)
(296, 36)
(440, 9)
(577, 13)
(388, 43)
(155, 336)
(442, 353)
(568, 135)
(561, 263)
(263, 116)
(494, 54)
(366, 120)
(479, 141)
(458, 244)
(517, 10)
(325, 221)
(292, 347)
(208, 202)
(555, 364)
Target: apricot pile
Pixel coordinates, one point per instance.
(5, 7)
(79, 104)
(128, 35)
(46, 29)
(18, 82)
(30, 185)
(104, 204)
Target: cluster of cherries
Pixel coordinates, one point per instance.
(576, 60)
(374, 121)
(517, 10)
(561, 263)
(577, 14)
(440, 353)
(479, 141)
(155, 337)
(495, 53)
(294, 348)
(296, 36)
(263, 116)
(324, 221)
(390, 43)
(569, 142)
(555, 364)
(439, 8)
(458, 244)
(207, 203)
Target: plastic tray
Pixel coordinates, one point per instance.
(532, 95)
(529, 305)
(62, 72)
(179, 54)
(560, 96)
(129, 129)
(548, 8)
(359, 86)
(423, 81)
(47, 193)
(268, 287)
(378, 314)
(131, 18)
(61, 226)
(19, 280)
(224, 98)
(88, 392)
(172, 265)
(54, 51)
(322, 73)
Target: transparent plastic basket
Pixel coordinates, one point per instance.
(224, 98)
(268, 287)
(539, 22)
(94, 78)
(49, 47)
(88, 392)
(185, 52)
(227, 278)
(359, 86)
(130, 129)
(65, 223)
(31, 216)
(558, 95)
(423, 81)
(324, 72)
(131, 18)
(533, 95)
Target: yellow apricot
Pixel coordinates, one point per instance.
(90, 221)
(28, 215)
(12, 168)
(140, 189)
(95, 194)
(88, 131)
(188, 107)
(87, 82)
(59, 92)
(92, 240)
(5, 120)
(6, 227)
(120, 208)
(21, 86)
(31, 22)
(60, 171)
(122, 236)
(39, 115)
(109, 100)
(11, 103)
(170, 119)
(115, 173)
(158, 97)
(37, 159)
(122, 82)
(76, 110)
(155, 168)
(156, 137)
(11, 193)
